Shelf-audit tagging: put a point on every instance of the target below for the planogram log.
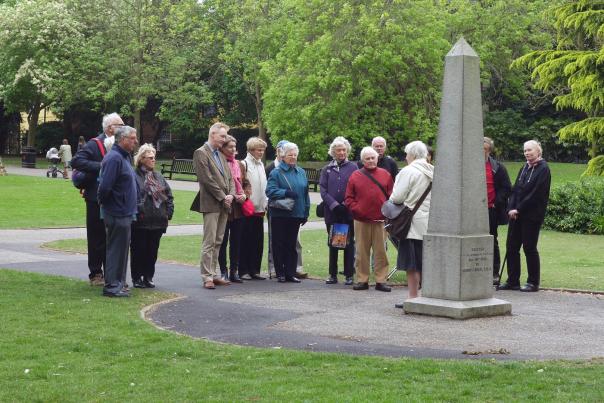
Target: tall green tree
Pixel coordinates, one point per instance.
(247, 34)
(575, 69)
(37, 41)
(357, 69)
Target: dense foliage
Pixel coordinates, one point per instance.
(577, 207)
(575, 69)
(306, 71)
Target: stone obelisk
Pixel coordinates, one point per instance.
(458, 250)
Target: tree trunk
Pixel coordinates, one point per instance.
(32, 121)
(258, 102)
(137, 124)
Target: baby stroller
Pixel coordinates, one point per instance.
(53, 158)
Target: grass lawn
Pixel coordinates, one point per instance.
(567, 260)
(62, 341)
(32, 202)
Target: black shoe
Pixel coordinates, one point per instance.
(382, 287)
(507, 286)
(119, 294)
(399, 306)
(234, 277)
(348, 281)
(528, 287)
(139, 284)
(149, 283)
(360, 286)
(331, 280)
(257, 277)
(293, 280)
(281, 279)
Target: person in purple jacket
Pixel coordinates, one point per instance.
(334, 178)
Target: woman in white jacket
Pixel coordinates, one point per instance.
(411, 183)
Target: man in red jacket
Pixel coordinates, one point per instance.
(368, 188)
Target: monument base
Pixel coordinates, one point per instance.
(476, 308)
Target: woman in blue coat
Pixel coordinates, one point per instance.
(334, 178)
(287, 181)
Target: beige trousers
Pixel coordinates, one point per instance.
(370, 236)
(214, 225)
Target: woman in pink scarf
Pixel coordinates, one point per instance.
(234, 228)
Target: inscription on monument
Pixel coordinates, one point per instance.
(475, 261)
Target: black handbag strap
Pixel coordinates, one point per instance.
(364, 172)
(421, 199)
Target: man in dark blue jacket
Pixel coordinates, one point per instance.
(88, 160)
(117, 195)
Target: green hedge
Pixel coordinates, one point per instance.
(577, 207)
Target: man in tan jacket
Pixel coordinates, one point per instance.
(216, 194)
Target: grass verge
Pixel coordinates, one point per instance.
(33, 202)
(567, 260)
(61, 341)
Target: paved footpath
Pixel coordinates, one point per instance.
(315, 317)
(312, 316)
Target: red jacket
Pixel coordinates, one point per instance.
(364, 198)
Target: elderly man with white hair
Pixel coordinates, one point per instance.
(527, 207)
(367, 189)
(333, 182)
(88, 160)
(216, 195)
(384, 161)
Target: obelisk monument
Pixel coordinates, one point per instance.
(458, 250)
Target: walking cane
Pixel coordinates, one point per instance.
(505, 258)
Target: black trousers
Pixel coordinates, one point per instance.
(232, 238)
(348, 255)
(250, 259)
(493, 231)
(118, 241)
(284, 235)
(143, 252)
(95, 236)
(523, 233)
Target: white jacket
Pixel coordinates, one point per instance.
(257, 176)
(411, 183)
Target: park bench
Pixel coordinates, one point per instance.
(313, 175)
(178, 166)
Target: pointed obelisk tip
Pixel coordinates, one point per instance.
(462, 48)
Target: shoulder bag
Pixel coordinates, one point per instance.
(399, 217)
(285, 204)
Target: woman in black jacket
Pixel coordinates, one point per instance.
(527, 206)
(155, 209)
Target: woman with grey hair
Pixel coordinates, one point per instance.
(155, 209)
(527, 207)
(333, 182)
(409, 188)
(287, 184)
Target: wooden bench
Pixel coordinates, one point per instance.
(178, 166)
(313, 175)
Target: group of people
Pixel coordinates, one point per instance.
(129, 205)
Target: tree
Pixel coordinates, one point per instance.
(37, 41)
(247, 35)
(357, 69)
(575, 69)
